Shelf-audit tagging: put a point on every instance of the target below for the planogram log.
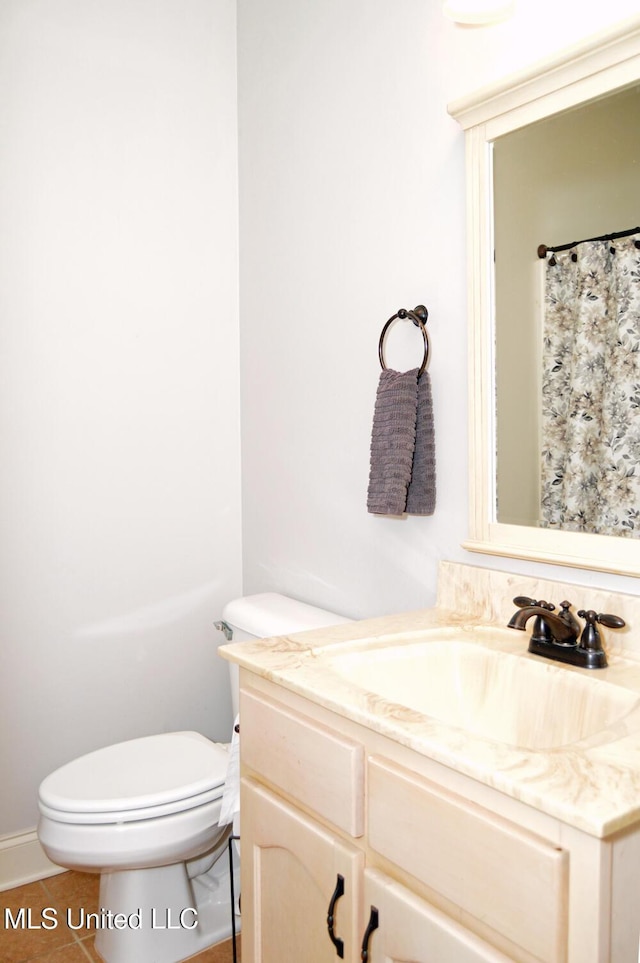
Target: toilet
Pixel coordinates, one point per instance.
(144, 814)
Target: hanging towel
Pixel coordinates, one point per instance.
(421, 496)
(402, 470)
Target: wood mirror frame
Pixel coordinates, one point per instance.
(589, 70)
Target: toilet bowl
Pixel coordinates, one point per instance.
(144, 814)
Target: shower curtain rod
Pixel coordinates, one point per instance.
(543, 250)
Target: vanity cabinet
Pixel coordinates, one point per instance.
(441, 874)
(478, 848)
(457, 872)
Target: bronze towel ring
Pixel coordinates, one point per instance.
(419, 317)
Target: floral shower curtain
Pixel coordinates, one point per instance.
(591, 389)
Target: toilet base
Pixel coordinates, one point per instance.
(160, 915)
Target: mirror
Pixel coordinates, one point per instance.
(553, 155)
(571, 176)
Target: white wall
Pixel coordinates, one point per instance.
(352, 205)
(119, 407)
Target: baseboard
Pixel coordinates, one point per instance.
(22, 860)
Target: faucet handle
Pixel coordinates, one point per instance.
(591, 640)
(523, 600)
(611, 621)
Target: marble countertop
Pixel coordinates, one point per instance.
(592, 784)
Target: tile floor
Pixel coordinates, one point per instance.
(66, 892)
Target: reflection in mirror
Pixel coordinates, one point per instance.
(567, 327)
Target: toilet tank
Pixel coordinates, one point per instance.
(266, 614)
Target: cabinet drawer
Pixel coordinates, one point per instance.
(312, 763)
(511, 880)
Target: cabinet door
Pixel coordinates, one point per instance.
(291, 872)
(410, 929)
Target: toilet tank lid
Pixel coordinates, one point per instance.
(269, 613)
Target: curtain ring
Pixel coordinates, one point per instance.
(419, 321)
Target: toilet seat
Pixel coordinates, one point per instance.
(140, 779)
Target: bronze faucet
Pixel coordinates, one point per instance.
(556, 636)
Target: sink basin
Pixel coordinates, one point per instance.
(508, 698)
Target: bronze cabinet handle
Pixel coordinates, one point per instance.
(337, 893)
(371, 926)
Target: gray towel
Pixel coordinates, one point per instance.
(421, 496)
(402, 470)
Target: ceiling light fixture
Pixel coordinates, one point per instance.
(478, 11)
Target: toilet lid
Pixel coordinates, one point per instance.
(154, 771)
